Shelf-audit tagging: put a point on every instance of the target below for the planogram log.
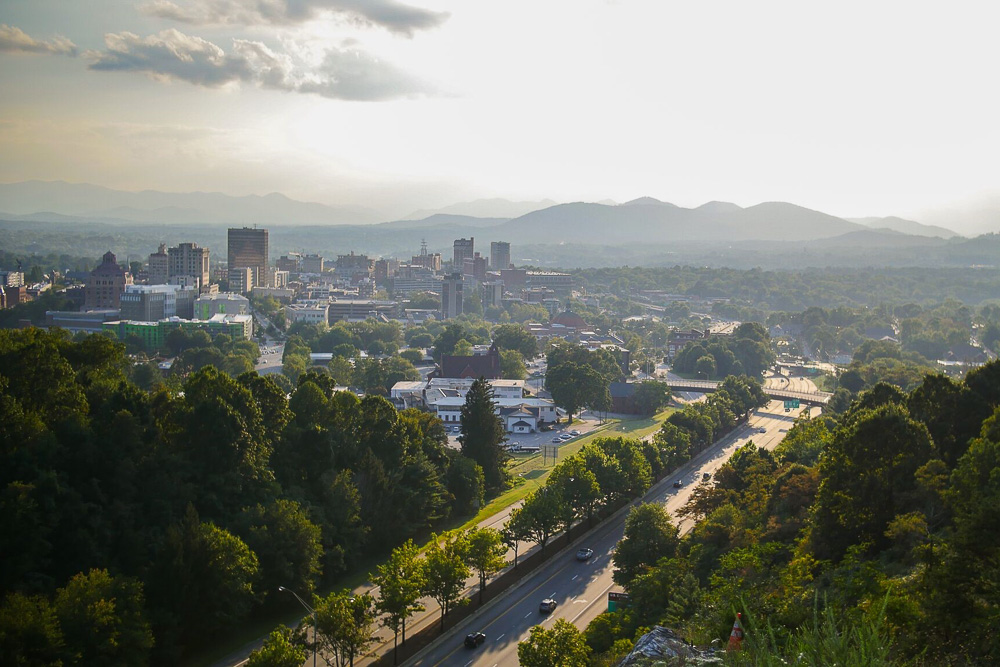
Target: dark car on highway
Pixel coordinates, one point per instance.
(584, 554)
(547, 606)
(678, 484)
(474, 639)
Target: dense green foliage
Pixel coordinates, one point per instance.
(747, 352)
(868, 538)
(191, 507)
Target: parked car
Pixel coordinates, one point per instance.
(678, 484)
(546, 606)
(557, 440)
(565, 436)
(474, 639)
(574, 433)
(584, 554)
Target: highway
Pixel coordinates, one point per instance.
(581, 588)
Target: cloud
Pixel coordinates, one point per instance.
(171, 54)
(356, 75)
(393, 16)
(344, 74)
(15, 40)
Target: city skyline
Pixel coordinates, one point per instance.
(862, 111)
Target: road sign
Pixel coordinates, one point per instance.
(793, 403)
(617, 600)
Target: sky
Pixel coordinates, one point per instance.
(852, 108)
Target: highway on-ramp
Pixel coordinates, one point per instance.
(581, 588)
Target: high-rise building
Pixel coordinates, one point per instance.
(492, 294)
(499, 255)
(451, 295)
(248, 247)
(148, 303)
(313, 264)
(240, 280)
(187, 259)
(159, 266)
(106, 284)
(462, 248)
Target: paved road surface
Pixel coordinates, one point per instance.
(581, 588)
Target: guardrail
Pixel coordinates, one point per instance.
(708, 386)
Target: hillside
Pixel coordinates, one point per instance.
(92, 202)
(905, 226)
(647, 220)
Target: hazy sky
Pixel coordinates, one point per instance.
(853, 108)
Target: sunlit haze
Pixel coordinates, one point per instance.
(855, 109)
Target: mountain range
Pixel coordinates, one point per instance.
(641, 221)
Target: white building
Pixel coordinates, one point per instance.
(531, 411)
(310, 313)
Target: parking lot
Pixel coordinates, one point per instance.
(584, 426)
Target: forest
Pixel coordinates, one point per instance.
(866, 537)
(138, 525)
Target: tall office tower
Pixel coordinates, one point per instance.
(248, 247)
(451, 296)
(106, 284)
(499, 255)
(187, 259)
(159, 266)
(463, 248)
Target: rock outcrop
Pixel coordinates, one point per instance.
(662, 647)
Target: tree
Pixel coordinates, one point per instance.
(445, 571)
(485, 554)
(466, 482)
(344, 626)
(29, 632)
(204, 577)
(280, 649)
(516, 530)
(649, 536)
(578, 487)
(516, 337)
(483, 434)
(463, 348)
(286, 543)
(512, 365)
(562, 646)
(400, 582)
(574, 386)
(543, 511)
(651, 396)
(705, 367)
(103, 620)
(868, 478)
(341, 370)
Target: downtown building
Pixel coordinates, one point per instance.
(248, 247)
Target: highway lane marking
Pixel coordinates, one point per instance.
(603, 532)
(501, 636)
(579, 601)
(575, 577)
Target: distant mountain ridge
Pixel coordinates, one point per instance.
(485, 208)
(93, 202)
(905, 226)
(648, 220)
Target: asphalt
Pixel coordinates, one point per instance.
(581, 588)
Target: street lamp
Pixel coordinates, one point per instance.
(312, 612)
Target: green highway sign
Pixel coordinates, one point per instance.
(793, 403)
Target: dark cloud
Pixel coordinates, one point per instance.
(15, 40)
(389, 14)
(171, 54)
(345, 74)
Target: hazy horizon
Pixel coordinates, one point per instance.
(402, 106)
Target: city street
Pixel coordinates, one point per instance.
(581, 588)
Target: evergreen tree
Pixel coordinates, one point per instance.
(483, 434)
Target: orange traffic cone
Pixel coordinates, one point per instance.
(736, 636)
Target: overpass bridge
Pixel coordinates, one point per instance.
(707, 386)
